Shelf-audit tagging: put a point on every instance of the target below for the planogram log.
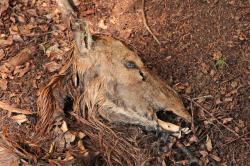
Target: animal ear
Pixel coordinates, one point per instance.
(82, 36)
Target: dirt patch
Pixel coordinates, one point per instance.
(204, 54)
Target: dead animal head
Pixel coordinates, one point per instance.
(117, 82)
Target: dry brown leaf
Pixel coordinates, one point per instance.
(216, 158)
(226, 120)
(4, 4)
(23, 56)
(192, 140)
(64, 127)
(21, 18)
(32, 12)
(61, 27)
(217, 55)
(209, 145)
(52, 66)
(1, 54)
(54, 52)
(26, 29)
(19, 118)
(3, 84)
(21, 71)
(125, 34)
(203, 153)
(6, 42)
(17, 38)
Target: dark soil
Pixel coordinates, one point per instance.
(204, 54)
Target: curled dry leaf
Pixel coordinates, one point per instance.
(52, 66)
(3, 84)
(216, 158)
(19, 119)
(226, 120)
(209, 145)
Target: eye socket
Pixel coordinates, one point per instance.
(130, 65)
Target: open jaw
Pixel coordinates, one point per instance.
(167, 120)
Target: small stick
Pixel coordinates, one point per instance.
(240, 137)
(211, 115)
(12, 109)
(146, 24)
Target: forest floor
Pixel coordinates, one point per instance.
(203, 51)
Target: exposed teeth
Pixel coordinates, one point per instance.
(168, 126)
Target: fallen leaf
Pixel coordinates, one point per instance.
(209, 144)
(53, 52)
(19, 118)
(192, 140)
(64, 127)
(234, 84)
(216, 158)
(125, 34)
(1, 54)
(228, 99)
(21, 18)
(3, 84)
(52, 66)
(217, 55)
(203, 153)
(226, 120)
(17, 38)
(241, 123)
(6, 42)
(20, 71)
(4, 4)
(23, 56)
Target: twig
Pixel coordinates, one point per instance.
(211, 115)
(12, 109)
(240, 137)
(146, 24)
(203, 97)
